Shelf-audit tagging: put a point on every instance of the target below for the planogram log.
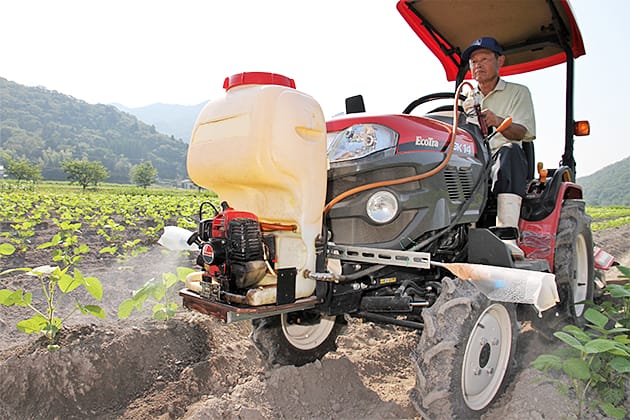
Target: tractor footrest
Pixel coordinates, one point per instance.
(231, 313)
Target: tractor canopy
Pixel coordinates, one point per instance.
(535, 34)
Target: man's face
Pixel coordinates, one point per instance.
(484, 65)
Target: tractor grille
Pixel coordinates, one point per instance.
(459, 183)
(348, 182)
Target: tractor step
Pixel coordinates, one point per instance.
(230, 313)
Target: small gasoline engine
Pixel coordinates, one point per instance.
(234, 253)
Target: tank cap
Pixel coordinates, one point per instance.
(257, 78)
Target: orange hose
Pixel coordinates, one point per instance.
(449, 153)
(277, 226)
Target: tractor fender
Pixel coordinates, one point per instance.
(538, 235)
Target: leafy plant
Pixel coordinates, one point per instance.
(158, 291)
(67, 248)
(598, 356)
(53, 281)
(23, 231)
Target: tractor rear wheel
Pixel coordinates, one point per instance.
(573, 261)
(465, 354)
(296, 338)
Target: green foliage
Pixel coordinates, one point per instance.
(106, 215)
(6, 249)
(53, 281)
(65, 244)
(596, 358)
(608, 217)
(103, 216)
(48, 128)
(158, 291)
(143, 174)
(23, 170)
(608, 186)
(84, 172)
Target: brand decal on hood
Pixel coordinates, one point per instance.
(427, 142)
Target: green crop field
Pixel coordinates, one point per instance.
(125, 219)
(118, 219)
(608, 217)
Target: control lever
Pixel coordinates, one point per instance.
(505, 124)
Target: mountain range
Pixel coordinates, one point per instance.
(47, 127)
(608, 186)
(176, 120)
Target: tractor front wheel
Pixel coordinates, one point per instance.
(296, 338)
(465, 354)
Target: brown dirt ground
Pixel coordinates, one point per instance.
(194, 367)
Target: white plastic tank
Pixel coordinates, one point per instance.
(262, 148)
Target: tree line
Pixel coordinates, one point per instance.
(46, 128)
(83, 172)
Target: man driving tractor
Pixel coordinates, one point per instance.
(499, 99)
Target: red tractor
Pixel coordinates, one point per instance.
(389, 218)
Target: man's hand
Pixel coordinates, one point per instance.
(491, 118)
(469, 106)
(514, 132)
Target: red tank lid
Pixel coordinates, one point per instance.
(257, 78)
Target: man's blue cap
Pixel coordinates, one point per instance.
(486, 42)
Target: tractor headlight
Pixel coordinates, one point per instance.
(382, 207)
(360, 140)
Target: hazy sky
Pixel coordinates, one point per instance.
(141, 52)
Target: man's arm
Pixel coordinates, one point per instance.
(514, 132)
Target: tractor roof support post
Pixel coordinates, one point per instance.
(568, 159)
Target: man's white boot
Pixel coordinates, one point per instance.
(508, 214)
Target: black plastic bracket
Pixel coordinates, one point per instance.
(285, 290)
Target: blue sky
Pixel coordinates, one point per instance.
(141, 52)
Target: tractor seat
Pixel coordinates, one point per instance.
(540, 200)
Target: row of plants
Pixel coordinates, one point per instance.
(62, 282)
(595, 357)
(69, 214)
(107, 213)
(608, 217)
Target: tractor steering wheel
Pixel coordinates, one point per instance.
(434, 97)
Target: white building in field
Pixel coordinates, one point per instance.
(187, 184)
(2, 175)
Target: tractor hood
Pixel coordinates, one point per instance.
(535, 34)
